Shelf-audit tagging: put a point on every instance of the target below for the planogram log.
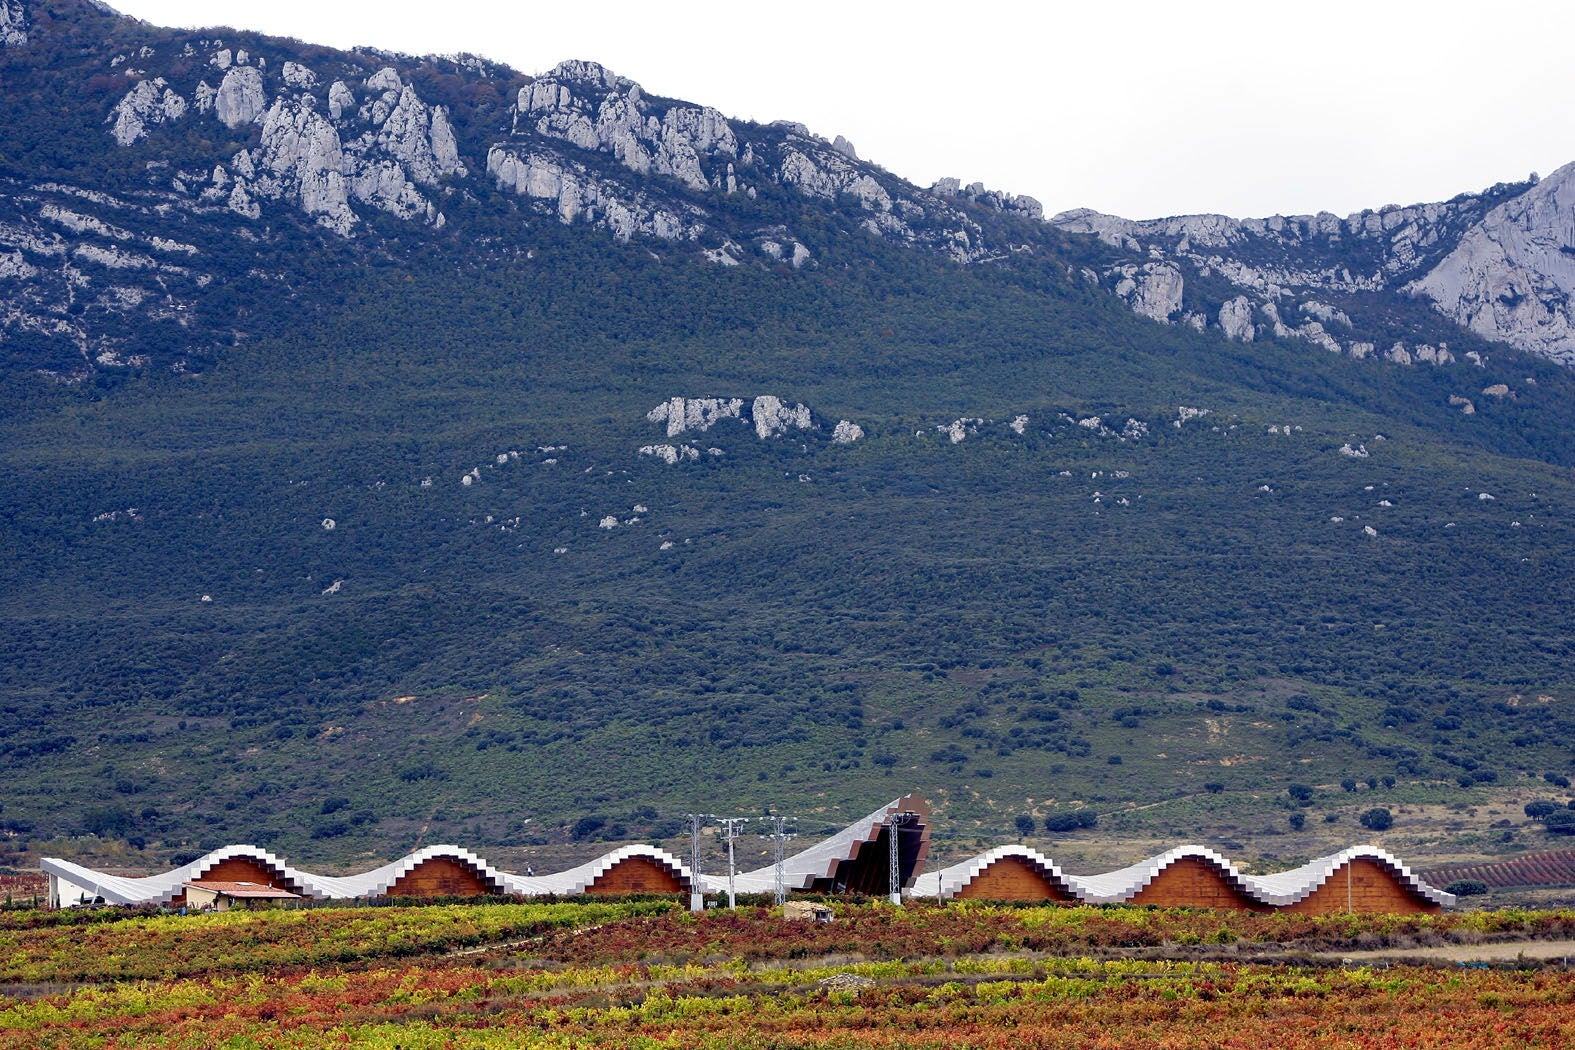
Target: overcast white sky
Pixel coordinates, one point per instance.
(1139, 108)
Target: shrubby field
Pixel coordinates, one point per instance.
(648, 974)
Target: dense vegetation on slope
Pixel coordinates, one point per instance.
(256, 601)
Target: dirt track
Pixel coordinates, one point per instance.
(1502, 952)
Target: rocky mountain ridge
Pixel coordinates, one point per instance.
(1500, 263)
(208, 142)
(238, 135)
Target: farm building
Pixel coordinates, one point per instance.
(222, 896)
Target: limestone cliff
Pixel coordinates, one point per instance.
(13, 23)
(1500, 263)
(325, 153)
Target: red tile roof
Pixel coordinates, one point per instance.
(244, 889)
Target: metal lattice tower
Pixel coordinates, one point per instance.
(730, 826)
(894, 825)
(779, 841)
(696, 822)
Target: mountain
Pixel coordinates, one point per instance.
(406, 449)
(1500, 264)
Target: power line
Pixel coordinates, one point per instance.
(696, 823)
(779, 840)
(730, 826)
(894, 825)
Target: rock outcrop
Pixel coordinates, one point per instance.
(240, 99)
(682, 414)
(148, 104)
(768, 415)
(1500, 263)
(1511, 277)
(570, 122)
(591, 107)
(385, 153)
(13, 23)
(574, 193)
(975, 193)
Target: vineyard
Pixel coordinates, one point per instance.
(1553, 868)
(648, 974)
(22, 887)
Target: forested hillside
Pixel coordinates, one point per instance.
(374, 536)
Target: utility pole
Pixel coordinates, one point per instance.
(695, 822)
(730, 826)
(894, 824)
(779, 840)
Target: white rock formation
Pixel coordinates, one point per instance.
(112, 258)
(975, 193)
(1235, 319)
(14, 264)
(147, 104)
(79, 223)
(671, 454)
(240, 99)
(1501, 263)
(301, 158)
(846, 433)
(577, 194)
(416, 136)
(1325, 313)
(379, 154)
(340, 100)
(958, 430)
(298, 76)
(774, 417)
(1153, 290)
(589, 106)
(1512, 276)
(695, 413)
(829, 175)
(769, 415)
(13, 23)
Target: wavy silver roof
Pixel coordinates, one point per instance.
(1296, 885)
(823, 863)
(948, 882)
(161, 889)
(78, 882)
(1122, 885)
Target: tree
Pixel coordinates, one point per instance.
(1025, 824)
(1298, 821)
(1300, 792)
(1561, 822)
(1467, 887)
(1348, 784)
(1064, 822)
(1540, 808)
(1378, 819)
